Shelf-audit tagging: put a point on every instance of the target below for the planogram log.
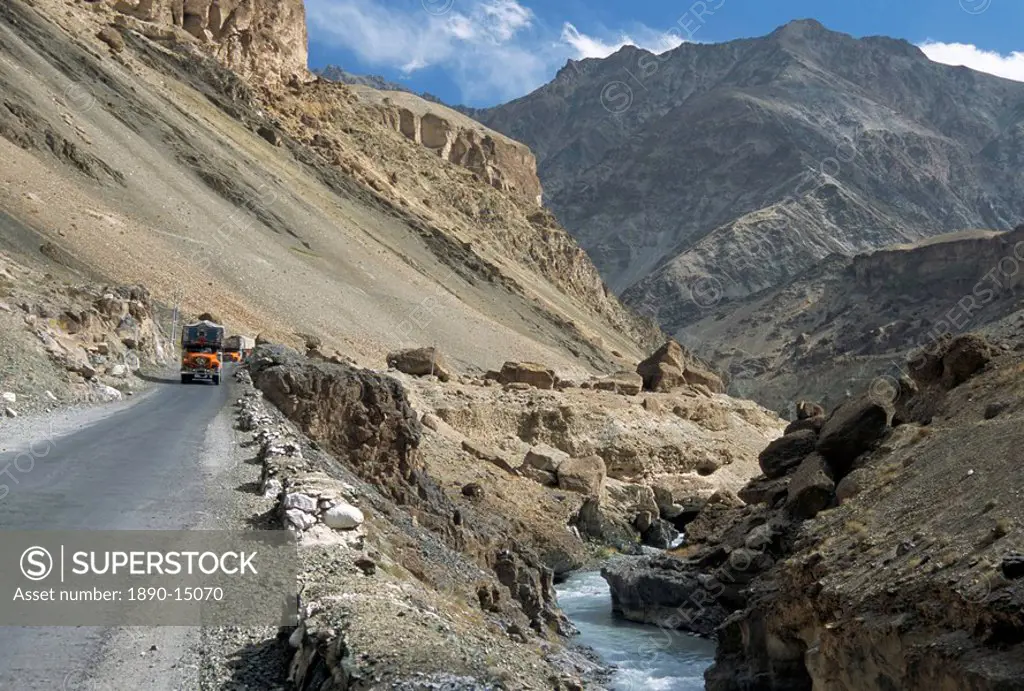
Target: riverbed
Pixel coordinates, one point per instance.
(645, 657)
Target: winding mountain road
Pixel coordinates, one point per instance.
(144, 464)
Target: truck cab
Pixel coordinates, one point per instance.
(202, 352)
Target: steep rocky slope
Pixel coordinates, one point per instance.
(284, 204)
(709, 172)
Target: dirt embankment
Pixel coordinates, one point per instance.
(67, 342)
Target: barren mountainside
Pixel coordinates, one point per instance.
(709, 172)
(296, 205)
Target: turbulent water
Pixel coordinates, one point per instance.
(646, 657)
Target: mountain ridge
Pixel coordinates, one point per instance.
(807, 140)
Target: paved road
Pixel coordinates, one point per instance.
(141, 468)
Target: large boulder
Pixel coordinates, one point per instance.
(950, 361)
(761, 490)
(530, 373)
(420, 362)
(671, 366)
(851, 429)
(585, 475)
(666, 592)
(544, 457)
(362, 417)
(626, 383)
(811, 423)
(786, 453)
(811, 488)
(660, 534)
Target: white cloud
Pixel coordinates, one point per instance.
(496, 50)
(590, 47)
(481, 46)
(1009, 66)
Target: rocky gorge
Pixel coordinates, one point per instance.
(844, 565)
(455, 414)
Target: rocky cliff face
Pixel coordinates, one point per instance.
(712, 172)
(262, 38)
(498, 161)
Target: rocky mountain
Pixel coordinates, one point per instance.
(713, 171)
(851, 322)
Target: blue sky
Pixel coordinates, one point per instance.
(482, 52)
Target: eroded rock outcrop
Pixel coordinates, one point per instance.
(500, 162)
(265, 39)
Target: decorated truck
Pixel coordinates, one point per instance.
(202, 345)
(237, 348)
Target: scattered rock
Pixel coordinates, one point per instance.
(851, 429)
(366, 565)
(544, 457)
(643, 521)
(993, 410)
(762, 490)
(851, 485)
(112, 38)
(1013, 567)
(486, 453)
(811, 488)
(302, 502)
(707, 466)
(431, 421)
(806, 410)
(9, 397)
(10, 412)
(671, 366)
(270, 134)
(543, 477)
(812, 423)
(473, 490)
(660, 534)
(585, 475)
(529, 373)
(299, 520)
(343, 516)
(420, 362)
(625, 383)
(653, 406)
(107, 394)
(786, 453)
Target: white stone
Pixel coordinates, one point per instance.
(272, 488)
(117, 370)
(49, 394)
(107, 393)
(303, 502)
(10, 412)
(299, 519)
(343, 516)
(10, 397)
